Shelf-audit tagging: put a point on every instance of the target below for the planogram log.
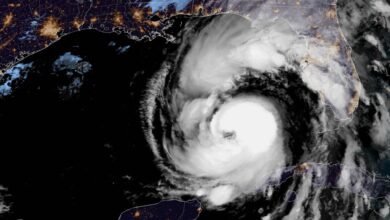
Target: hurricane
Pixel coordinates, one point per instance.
(237, 103)
(220, 110)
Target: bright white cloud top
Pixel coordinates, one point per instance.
(221, 149)
(239, 147)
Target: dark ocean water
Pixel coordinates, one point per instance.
(70, 129)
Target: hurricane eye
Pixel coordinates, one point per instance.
(249, 106)
(229, 135)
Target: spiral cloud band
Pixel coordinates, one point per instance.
(235, 105)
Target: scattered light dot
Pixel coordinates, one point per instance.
(137, 214)
(50, 28)
(118, 19)
(7, 20)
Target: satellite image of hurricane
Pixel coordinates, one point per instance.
(195, 109)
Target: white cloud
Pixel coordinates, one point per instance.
(381, 6)
(380, 130)
(3, 206)
(218, 55)
(301, 196)
(375, 42)
(227, 45)
(385, 211)
(221, 195)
